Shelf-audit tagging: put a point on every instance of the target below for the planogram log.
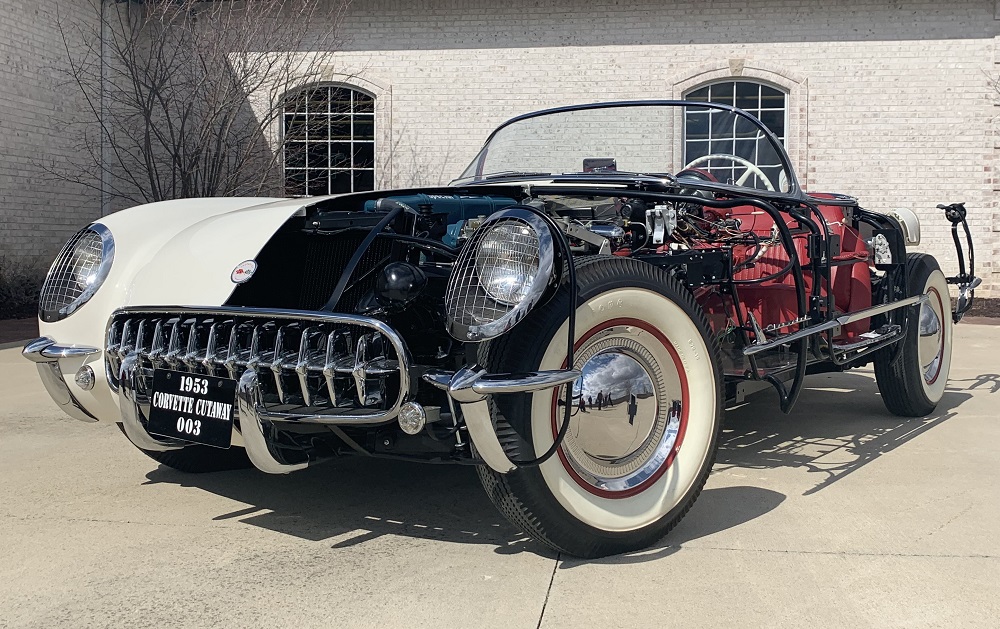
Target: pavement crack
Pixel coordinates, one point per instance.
(548, 590)
(950, 520)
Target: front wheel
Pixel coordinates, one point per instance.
(646, 412)
(914, 383)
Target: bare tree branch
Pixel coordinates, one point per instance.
(193, 93)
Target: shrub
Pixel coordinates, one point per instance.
(20, 283)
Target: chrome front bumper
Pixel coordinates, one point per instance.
(471, 386)
(46, 353)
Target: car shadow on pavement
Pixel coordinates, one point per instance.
(838, 426)
(989, 382)
(352, 501)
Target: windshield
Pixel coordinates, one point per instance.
(683, 139)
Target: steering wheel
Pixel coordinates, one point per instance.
(752, 168)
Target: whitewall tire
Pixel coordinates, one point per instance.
(646, 413)
(912, 377)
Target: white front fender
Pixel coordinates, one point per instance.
(178, 252)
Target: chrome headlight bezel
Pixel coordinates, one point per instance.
(58, 299)
(472, 314)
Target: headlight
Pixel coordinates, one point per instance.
(78, 271)
(507, 261)
(502, 273)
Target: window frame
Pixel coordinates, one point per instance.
(735, 81)
(289, 109)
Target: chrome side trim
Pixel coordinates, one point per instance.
(132, 414)
(829, 325)
(45, 353)
(470, 386)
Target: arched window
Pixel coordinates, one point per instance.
(329, 141)
(702, 137)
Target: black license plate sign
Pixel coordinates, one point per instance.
(192, 407)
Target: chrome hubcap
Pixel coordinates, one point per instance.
(930, 342)
(625, 421)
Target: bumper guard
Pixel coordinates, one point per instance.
(45, 353)
(471, 386)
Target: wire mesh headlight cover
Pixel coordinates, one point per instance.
(78, 271)
(502, 273)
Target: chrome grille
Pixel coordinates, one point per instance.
(307, 363)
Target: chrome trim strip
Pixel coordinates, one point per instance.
(129, 402)
(829, 325)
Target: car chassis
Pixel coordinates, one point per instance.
(767, 303)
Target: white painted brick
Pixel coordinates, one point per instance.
(896, 108)
(37, 213)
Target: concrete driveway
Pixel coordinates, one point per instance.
(839, 515)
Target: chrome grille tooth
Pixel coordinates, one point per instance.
(140, 336)
(262, 345)
(114, 338)
(125, 346)
(174, 344)
(114, 341)
(223, 334)
(253, 358)
(207, 361)
(338, 354)
(310, 358)
(283, 358)
(157, 347)
(190, 357)
(238, 357)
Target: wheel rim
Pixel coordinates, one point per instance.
(931, 336)
(625, 435)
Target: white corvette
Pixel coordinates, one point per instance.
(570, 316)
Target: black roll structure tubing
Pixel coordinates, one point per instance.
(788, 396)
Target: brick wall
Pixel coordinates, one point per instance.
(37, 212)
(890, 102)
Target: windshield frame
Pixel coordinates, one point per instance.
(794, 190)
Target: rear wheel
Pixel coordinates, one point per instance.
(914, 383)
(646, 413)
